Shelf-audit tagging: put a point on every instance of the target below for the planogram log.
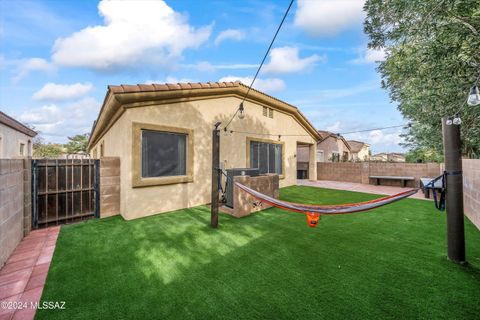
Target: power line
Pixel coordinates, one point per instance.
(383, 128)
(263, 60)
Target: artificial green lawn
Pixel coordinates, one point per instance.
(386, 263)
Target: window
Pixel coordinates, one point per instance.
(265, 111)
(164, 154)
(270, 112)
(95, 154)
(266, 156)
(22, 148)
(320, 156)
(1, 146)
(29, 148)
(161, 155)
(102, 149)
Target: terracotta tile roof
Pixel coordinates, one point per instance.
(325, 134)
(124, 88)
(16, 125)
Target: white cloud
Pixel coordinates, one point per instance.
(286, 59)
(335, 128)
(134, 33)
(55, 92)
(370, 56)
(206, 66)
(32, 64)
(57, 122)
(229, 34)
(328, 17)
(170, 80)
(267, 85)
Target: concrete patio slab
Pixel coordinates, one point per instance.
(358, 187)
(23, 277)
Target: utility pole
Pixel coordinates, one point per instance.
(215, 175)
(454, 196)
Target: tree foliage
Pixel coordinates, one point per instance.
(77, 143)
(46, 150)
(432, 59)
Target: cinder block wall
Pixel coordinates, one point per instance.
(471, 190)
(360, 171)
(340, 171)
(109, 186)
(15, 204)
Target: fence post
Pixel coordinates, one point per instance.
(454, 196)
(97, 188)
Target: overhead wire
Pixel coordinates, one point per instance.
(263, 61)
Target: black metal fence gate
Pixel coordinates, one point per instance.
(64, 190)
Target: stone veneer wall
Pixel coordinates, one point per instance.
(359, 172)
(109, 186)
(471, 190)
(15, 204)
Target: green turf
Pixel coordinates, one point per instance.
(386, 263)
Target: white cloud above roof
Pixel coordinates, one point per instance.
(287, 60)
(134, 33)
(55, 92)
(229, 34)
(267, 85)
(328, 17)
(32, 64)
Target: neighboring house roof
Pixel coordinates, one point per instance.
(324, 135)
(356, 146)
(16, 125)
(118, 96)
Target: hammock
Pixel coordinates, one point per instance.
(313, 212)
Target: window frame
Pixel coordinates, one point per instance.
(21, 152)
(137, 179)
(252, 139)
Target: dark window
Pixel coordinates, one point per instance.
(267, 157)
(163, 154)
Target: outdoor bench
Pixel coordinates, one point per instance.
(438, 186)
(403, 179)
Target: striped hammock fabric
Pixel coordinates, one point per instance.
(327, 209)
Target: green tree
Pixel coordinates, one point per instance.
(77, 143)
(432, 59)
(46, 150)
(423, 155)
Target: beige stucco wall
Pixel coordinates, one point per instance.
(200, 116)
(10, 140)
(331, 145)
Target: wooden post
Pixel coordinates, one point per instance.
(215, 175)
(454, 196)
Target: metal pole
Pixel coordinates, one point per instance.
(215, 176)
(454, 196)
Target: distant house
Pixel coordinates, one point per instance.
(388, 157)
(332, 147)
(360, 150)
(15, 138)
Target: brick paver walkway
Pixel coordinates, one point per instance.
(359, 187)
(23, 276)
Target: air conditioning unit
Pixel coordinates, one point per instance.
(252, 172)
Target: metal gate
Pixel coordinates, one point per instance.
(64, 190)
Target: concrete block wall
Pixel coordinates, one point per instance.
(471, 190)
(109, 186)
(359, 172)
(15, 204)
(340, 171)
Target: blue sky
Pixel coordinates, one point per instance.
(57, 58)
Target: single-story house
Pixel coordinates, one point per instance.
(162, 134)
(388, 157)
(360, 151)
(15, 138)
